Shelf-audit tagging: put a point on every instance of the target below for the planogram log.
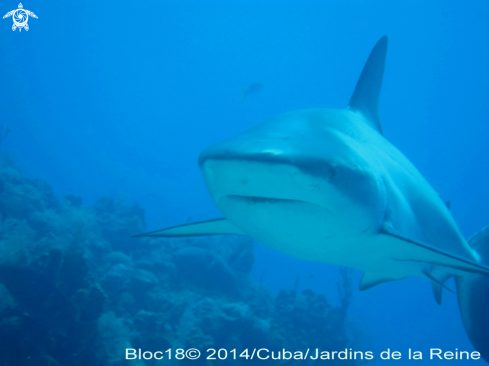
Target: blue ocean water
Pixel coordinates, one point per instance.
(118, 99)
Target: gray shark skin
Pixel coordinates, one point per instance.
(326, 185)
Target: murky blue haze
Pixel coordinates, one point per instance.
(119, 98)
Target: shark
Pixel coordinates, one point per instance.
(326, 185)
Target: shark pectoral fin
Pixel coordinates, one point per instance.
(417, 251)
(210, 227)
(365, 97)
(371, 279)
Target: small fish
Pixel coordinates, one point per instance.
(253, 88)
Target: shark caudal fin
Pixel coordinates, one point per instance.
(473, 297)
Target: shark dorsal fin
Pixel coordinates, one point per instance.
(365, 98)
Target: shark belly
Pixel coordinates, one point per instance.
(310, 232)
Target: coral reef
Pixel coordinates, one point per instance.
(76, 290)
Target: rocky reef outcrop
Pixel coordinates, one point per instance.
(75, 289)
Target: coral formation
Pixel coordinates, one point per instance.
(76, 290)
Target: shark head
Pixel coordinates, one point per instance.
(299, 168)
(304, 169)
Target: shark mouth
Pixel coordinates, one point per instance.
(254, 186)
(259, 200)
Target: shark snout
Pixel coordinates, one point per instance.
(272, 169)
(267, 176)
(257, 177)
(269, 154)
(253, 150)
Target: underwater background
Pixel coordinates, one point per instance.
(109, 104)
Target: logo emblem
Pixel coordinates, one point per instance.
(20, 17)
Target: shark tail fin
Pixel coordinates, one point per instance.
(365, 97)
(473, 297)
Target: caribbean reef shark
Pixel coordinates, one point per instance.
(326, 185)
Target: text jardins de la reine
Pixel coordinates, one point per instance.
(309, 354)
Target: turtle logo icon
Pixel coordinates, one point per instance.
(20, 17)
